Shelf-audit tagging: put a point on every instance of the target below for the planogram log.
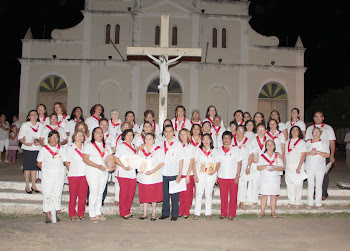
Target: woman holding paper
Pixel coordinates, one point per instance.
(125, 174)
(99, 160)
(51, 160)
(295, 174)
(150, 175)
(188, 172)
(270, 164)
(206, 161)
(317, 152)
(228, 176)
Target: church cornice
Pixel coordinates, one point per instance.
(261, 47)
(53, 41)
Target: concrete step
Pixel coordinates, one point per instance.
(34, 207)
(21, 186)
(11, 194)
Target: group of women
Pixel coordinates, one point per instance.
(245, 160)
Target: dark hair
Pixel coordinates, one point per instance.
(180, 106)
(92, 110)
(103, 119)
(262, 115)
(211, 142)
(126, 132)
(192, 127)
(274, 149)
(234, 123)
(75, 133)
(126, 114)
(167, 127)
(64, 111)
(300, 134)
(234, 119)
(51, 133)
(268, 124)
(153, 135)
(296, 110)
(245, 129)
(278, 113)
(45, 114)
(227, 133)
(146, 122)
(171, 123)
(93, 135)
(206, 122)
(72, 115)
(261, 124)
(29, 114)
(148, 112)
(247, 113)
(252, 121)
(317, 111)
(207, 114)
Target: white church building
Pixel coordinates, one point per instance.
(87, 64)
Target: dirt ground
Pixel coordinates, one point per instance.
(303, 232)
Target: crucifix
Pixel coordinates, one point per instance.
(164, 51)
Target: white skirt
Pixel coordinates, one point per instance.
(269, 184)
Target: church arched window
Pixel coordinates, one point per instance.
(215, 38)
(157, 35)
(174, 36)
(224, 38)
(108, 34)
(117, 34)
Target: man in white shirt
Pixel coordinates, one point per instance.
(347, 147)
(327, 135)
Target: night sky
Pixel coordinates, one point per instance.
(322, 26)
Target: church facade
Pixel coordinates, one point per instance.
(87, 64)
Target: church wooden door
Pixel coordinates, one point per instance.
(52, 89)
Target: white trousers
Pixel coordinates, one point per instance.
(312, 178)
(253, 185)
(205, 184)
(97, 181)
(242, 191)
(52, 186)
(293, 191)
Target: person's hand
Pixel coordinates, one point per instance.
(28, 144)
(236, 180)
(313, 151)
(255, 160)
(142, 146)
(102, 168)
(332, 159)
(36, 143)
(127, 168)
(178, 178)
(187, 179)
(247, 171)
(195, 178)
(298, 170)
(148, 173)
(272, 169)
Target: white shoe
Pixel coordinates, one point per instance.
(6, 161)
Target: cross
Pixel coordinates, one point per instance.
(164, 51)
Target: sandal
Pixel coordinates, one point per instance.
(186, 216)
(261, 215)
(101, 217)
(243, 207)
(274, 216)
(73, 218)
(94, 220)
(208, 217)
(195, 217)
(81, 218)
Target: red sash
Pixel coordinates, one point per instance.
(95, 118)
(59, 122)
(182, 126)
(165, 148)
(268, 161)
(322, 125)
(241, 123)
(205, 152)
(50, 151)
(216, 130)
(243, 143)
(133, 149)
(44, 119)
(102, 154)
(197, 143)
(296, 142)
(292, 124)
(116, 143)
(79, 152)
(261, 145)
(154, 126)
(225, 150)
(273, 137)
(211, 121)
(35, 130)
(148, 154)
(114, 125)
(52, 128)
(315, 141)
(106, 136)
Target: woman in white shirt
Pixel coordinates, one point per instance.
(251, 130)
(53, 126)
(151, 179)
(206, 128)
(114, 123)
(295, 121)
(228, 176)
(277, 136)
(78, 186)
(126, 176)
(180, 121)
(29, 135)
(75, 117)
(61, 113)
(259, 118)
(98, 158)
(42, 114)
(207, 162)
(247, 116)
(270, 164)
(97, 113)
(130, 117)
(196, 117)
(281, 126)
(149, 116)
(109, 138)
(295, 174)
(196, 138)
(317, 152)
(211, 113)
(188, 172)
(238, 117)
(216, 132)
(51, 160)
(139, 139)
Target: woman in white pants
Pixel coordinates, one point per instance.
(295, 157)
(51, 160)
(204, 155)
(95, 156)
(317, 152)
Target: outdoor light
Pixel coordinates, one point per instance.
(129, 8)
(202, 10)
(220, 60)
(272, 62)
(110, 57)
(54, 56)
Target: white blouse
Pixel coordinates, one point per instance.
(228, 162)
(279, 139)
(173, 155)
(92, 123)
(52, 163)
(299, 123)
(31, 133)
(114, 129)
(95, 156)
(316, 163)
(77, 166)
(188, 152)
(293, 155)
(156, 156)
(200, 157)
(185, 123)
(46, 130)
(62, 120)
(124, 150)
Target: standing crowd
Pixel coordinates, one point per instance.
(246, 159)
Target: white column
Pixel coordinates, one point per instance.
(194, 89)
(23, 92)
(299, 100)
(136, 31)
(243, 73)
(86, 35)
(134, 92)
(84, 87)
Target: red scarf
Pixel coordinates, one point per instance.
(261, 145)
(268, 161)
(241, 123)
(183, 123)
(205, 152)
(114, 125)
(154, 126)
(148, 154)
(292, 124)
(79, 152)
(35, 130)
(217, 130)
(322, 125)
(315, 141)
(50, 151)
(44, 119)
(236, 143)
(102, 154)
(225, 150)
(116, 143)
(296, 142)
(59, 122)
(273, 137)
(197, 143)
(133, 149)
(165, 148)
(107, 136)
(52, 128)
(211, 121)
(95, 118)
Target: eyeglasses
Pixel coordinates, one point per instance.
(195, 115)
(261, 129)
(207, 139)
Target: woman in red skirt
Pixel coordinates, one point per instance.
(150, 175)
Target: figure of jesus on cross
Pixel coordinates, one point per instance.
(164, 51)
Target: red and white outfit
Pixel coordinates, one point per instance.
(151, 186)
(156, 128)
(53, 171)
(246, 149)
(92, 122)
(315, 169)
(70, 128)
(270, 181)
(206, 182)
(62, 120)
(211, 121)
(139, 140)
(114, 128)
(118, 142)
(48, 128)
(216, 135)
(250, 135)
(300, 123)
(178, 125)
(96, 178)
(326, 135)
(126, 179)
(229, 159)
(198, 123)
(282, 126)
(279, 139)
(186, 197)
(78, 186)
(294, 181)
(45, 120)
(195, 143)
(109, 140)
